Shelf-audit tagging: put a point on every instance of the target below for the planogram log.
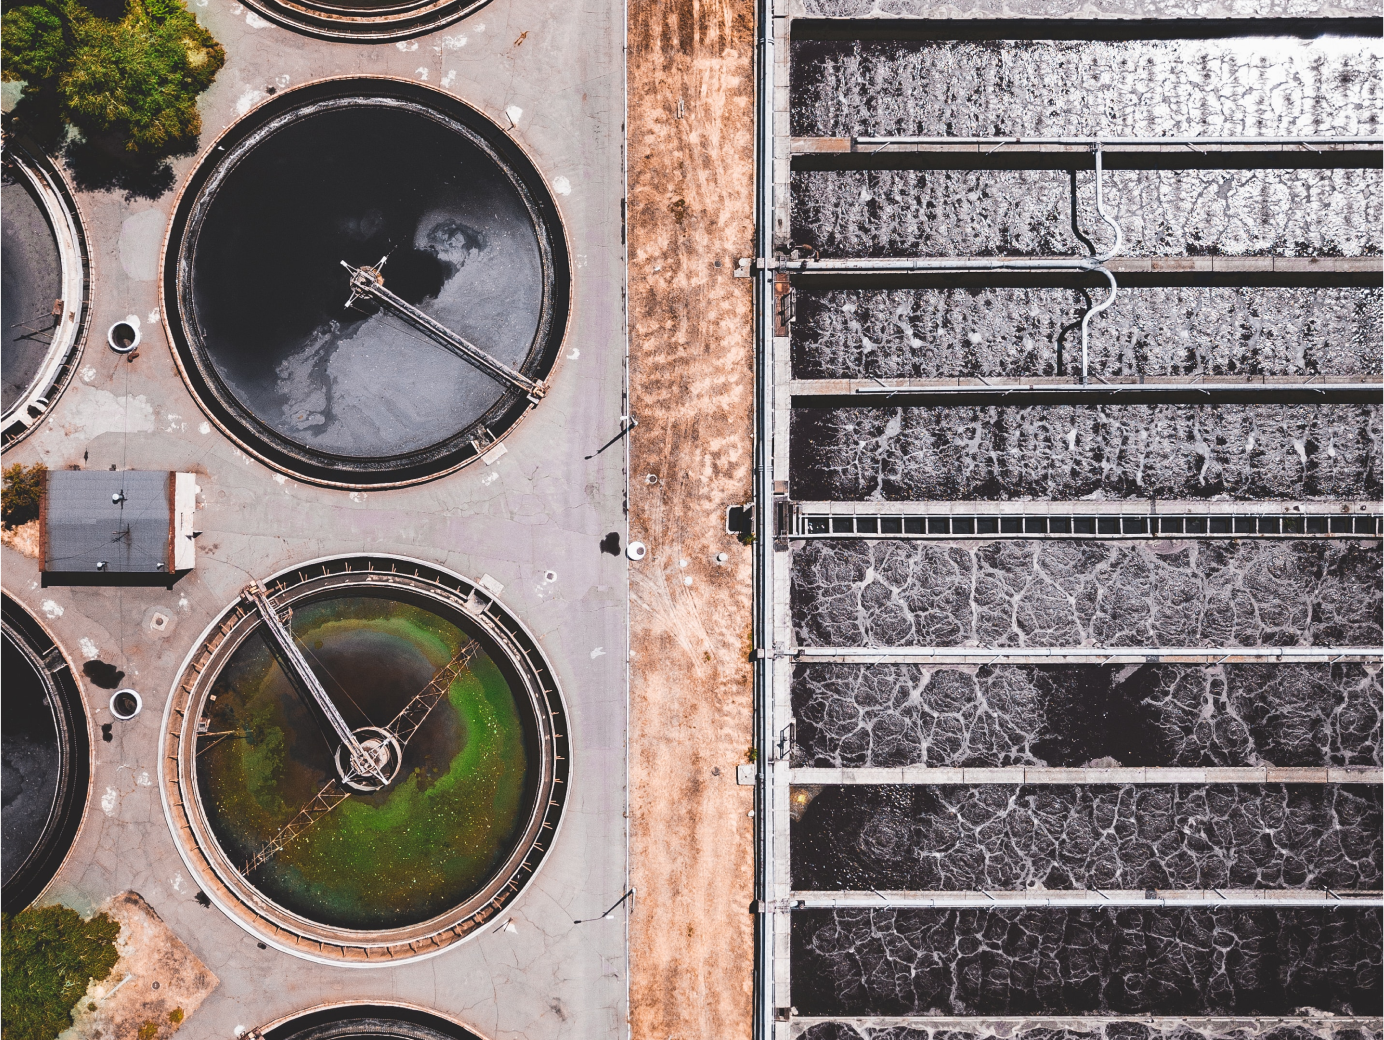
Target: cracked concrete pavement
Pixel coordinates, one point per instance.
(555, 73)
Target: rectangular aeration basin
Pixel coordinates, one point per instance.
(1036, 839)
(1175, 716)
(1203, 961)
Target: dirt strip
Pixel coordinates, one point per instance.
(691, 195)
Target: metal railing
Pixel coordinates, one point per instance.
(999, 899)
(1204, 655)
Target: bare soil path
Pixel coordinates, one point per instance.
(691, 194)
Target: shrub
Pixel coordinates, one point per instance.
(48, 957)
(22, 490)
(135, 79)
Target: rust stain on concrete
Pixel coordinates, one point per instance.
(691, 198)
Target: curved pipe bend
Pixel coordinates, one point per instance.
(1086, 319)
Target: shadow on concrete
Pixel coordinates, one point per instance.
(95, 162)
(98, 165)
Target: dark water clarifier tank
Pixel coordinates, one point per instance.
(46, 287)
(46, 758)
(256, 296)
(368, 1022)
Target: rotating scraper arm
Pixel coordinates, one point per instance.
(306, 681)
(368, 283)
(405, 724)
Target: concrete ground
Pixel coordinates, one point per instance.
(555, 71)
(692, 390)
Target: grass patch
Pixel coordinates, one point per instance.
(48, 957)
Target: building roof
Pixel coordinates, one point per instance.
(107, 521)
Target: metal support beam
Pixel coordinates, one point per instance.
(332, 794)
(867, 655)
(998, 899)
(412, 715)
(1145, 519)
(1015, 1025)
(368, 282)
(970, 776)
(305, 681)
(1351, 265)
(1074, 153)
(765, 987)
(875, 393)
(1108, 507)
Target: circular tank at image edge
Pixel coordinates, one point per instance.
(459, 224)
(45, 758)
(46, 291)
(368, 1022)
(367, 20)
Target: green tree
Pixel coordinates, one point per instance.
(133, 81)
(23, 488)
(48, 956)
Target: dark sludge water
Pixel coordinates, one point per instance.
(1257, 86)
(30, 280)
(882, 213)
(30, 760)
(405, 854)
(1108, 1030)
(1070, 837)
(1152, 331)
(1081, 593)
(1184, 961)
(1170, 451)
(1078, 715)
(355, 184)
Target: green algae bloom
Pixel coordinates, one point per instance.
(401, 855)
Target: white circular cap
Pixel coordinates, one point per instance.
(121, 697)
(122, 344)
(636, 550)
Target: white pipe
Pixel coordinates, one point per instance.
(1190, 142)
(1102, 306)
(1100, 208)
(1071, 655)
(892, 264)
(1066, 776)
(993, 899)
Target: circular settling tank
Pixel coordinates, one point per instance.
(362, 1021)
(427, 194)
(366, 20)
(425, 668)
(43, 288)
(45, 758)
